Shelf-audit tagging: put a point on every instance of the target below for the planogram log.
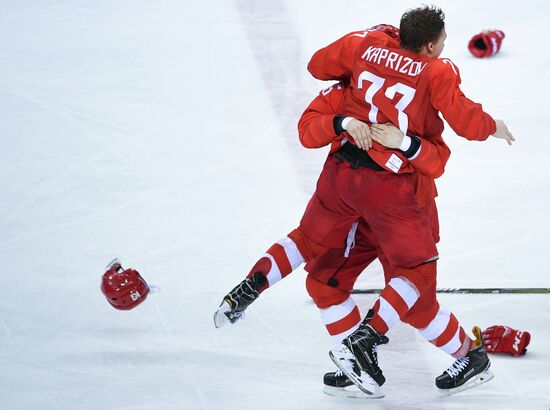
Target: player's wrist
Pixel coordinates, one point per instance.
(337, 124)
(413, 146)
(346, 121)
(405, 143)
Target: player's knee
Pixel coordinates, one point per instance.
(324, 295)
(309, 249)
(422, 314)
(423, 277)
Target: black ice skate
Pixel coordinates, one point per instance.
(235, 302)
(467, 372)
(338, 384)
(358, 358)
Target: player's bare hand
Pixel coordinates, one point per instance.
(502, 132)
(360, 132)
(387, 134)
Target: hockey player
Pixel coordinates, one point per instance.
(332, 276)
(290, 252)
(407, 85)
(332, 294)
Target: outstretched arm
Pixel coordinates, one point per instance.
(465, 116)
(502, 132)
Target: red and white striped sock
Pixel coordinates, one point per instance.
(341, 320)
(279, 260)
(394, 301)
(445, 332)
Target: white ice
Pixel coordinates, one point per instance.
(164, 133)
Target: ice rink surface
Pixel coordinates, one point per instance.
(164, 133)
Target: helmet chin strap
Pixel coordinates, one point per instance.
(115, 263)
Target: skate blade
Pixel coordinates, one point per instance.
(352, 392)
(363, 381)
(478, 380)
(220, 317)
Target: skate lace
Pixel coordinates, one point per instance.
(243, 295)
(338, 373)
(375, 354)
(458, 366)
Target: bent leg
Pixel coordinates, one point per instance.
(339, 312)
(284, 256)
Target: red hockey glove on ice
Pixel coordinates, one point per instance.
(504, 339)
(486, 44)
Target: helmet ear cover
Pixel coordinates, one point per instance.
(124, 288)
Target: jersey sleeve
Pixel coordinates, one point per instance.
(431, 158)
(316, 125)
(465, 117)
(335, 61)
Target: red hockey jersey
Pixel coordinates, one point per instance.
(388, 84)
(316, 130)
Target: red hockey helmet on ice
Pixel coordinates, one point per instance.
(123, 288)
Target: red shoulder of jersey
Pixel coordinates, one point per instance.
(316, 125)
(336, 61)
(443, 69)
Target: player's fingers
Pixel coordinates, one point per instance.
(364, 138)
(358, 139)
(377, 133)
(379, 127)
(369, 139)
(367, 136)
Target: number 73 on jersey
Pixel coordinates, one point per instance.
(372, 83)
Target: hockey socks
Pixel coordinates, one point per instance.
(445, 332)
(394, 302)
(279, 260)
(341, 320)
(286, 255)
